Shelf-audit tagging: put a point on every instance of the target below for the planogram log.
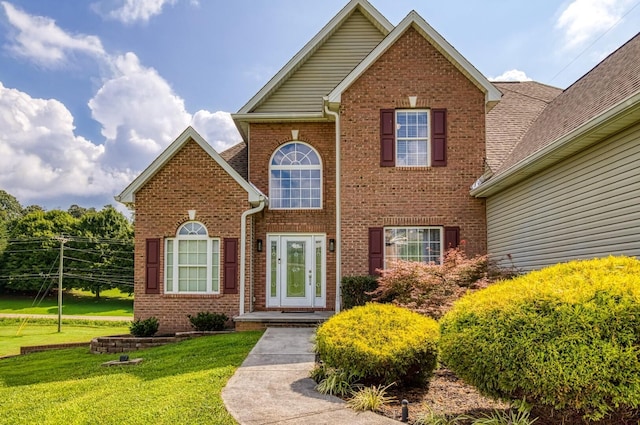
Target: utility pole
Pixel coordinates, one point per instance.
(61, 265)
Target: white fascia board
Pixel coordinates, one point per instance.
(128, 195)
(277, 116)
(522, 169)
(368, 10)
(492, 94)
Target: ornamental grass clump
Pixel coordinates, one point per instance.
(380, 344)
(566, 337)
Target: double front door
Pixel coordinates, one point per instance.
(296, 270)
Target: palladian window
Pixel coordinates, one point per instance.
(295, 178)
(192, 261)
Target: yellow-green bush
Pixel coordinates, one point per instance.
(380, 343)
(567, 336)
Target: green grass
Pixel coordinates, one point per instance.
(45, 331)
(175, 384)
(111, 303)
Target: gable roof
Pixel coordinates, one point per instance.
(238, 157)
(128, 195)
(521, 104)
(602, 102)
(492, 94)
(362, 6)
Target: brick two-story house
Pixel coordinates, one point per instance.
(360, 150)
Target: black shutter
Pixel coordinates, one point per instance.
(387, 138)
(376, 250)
(230, 265)
(438, 137)
(152, 278)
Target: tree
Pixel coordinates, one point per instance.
(105, 250)
(32, 250)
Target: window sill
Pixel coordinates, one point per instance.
(202, 295)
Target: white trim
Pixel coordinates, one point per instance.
(301, 167)
(561, 147)
(312, 46)
(440, 228)
(175, 264)
(492, 94)
(278, 238)
(128, 194)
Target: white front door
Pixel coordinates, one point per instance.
(295, 271)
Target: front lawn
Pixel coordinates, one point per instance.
(175, 384)
(110, 303)
(15, 333)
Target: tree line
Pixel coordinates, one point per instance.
(97, 248)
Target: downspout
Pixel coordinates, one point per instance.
(243, 247)
(338, 209)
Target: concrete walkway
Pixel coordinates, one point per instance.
(272, 386)
(67, 316)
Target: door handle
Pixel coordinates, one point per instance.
(310, 273)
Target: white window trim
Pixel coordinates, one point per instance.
(300, 167)
(409, 139)
(176, 267)
(440, 228)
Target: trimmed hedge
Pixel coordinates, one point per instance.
(567, 337)
(355, 290)
(380, 343)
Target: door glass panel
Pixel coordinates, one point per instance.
(318, 268)
(296, 269)
(274, 269)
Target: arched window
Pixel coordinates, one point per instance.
(295, 178)
(192, 261)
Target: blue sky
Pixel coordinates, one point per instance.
(92, 91)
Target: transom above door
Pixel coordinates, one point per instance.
(296, 270)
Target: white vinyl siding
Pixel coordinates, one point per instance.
(583, 207)
(326, 68)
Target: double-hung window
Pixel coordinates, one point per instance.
(192, 261)
(412, 138)
(423, 244)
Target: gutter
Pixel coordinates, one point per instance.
(338, 208)
(514, 174)
(243, 247)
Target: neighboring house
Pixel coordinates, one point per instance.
(569, 187)
(361, 150)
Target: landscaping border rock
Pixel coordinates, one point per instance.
(126, 343)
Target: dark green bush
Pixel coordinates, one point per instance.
(205, 321)
(355, 290)
(380, 344)
(567, 337)
(144, 328)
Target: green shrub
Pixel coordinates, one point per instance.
(205, 321)
(372, 398)
(144, 328)
(336, 382)
(356, 290)
(380, 343)
(567, 337)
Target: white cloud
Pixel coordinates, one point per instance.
(139, 113)
(42, 158)
(131, 11)
(39, 39)
(217, 128)
(511, 75)
(583, 20)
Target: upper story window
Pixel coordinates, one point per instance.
(192, 261)
(412, 138)
(295, 178)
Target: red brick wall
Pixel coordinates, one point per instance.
(375, 196)
(190, 180)
(265, 140)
